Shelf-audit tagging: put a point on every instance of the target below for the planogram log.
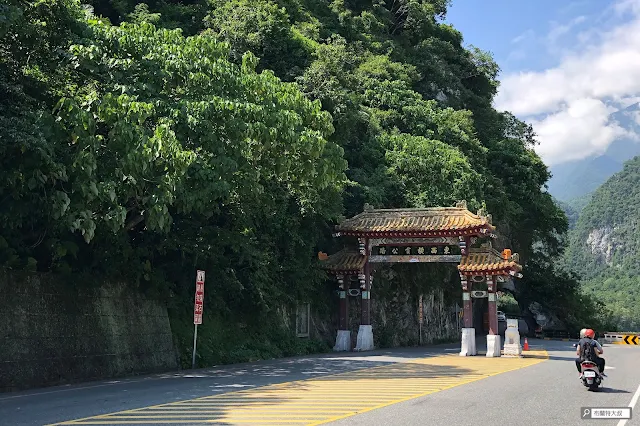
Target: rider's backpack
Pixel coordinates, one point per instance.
(587, 353)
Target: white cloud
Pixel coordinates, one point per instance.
(572, 97)
(557, 37)
(525, 35)
(624, 6)
(516, 55)
(626, 101)
(558, 30)
(575, 5)
(583, 127)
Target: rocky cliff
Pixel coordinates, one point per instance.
(605, 245)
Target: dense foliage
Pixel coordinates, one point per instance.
(604, 246)
(144, 140)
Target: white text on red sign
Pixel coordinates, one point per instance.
(199, 298)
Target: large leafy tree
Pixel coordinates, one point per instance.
(169, 122)
(157, 152)
(164, 126)
(34, 41)
(391, 72)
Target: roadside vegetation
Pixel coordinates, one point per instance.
(143, 141)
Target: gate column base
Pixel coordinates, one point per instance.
(468, 344)
(343, 341)
(512, 350)
(493, 345)
(365, 338)
(512, 339)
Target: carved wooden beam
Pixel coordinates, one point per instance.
(452, 258)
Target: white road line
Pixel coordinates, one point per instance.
(631, 405)
(65, 390)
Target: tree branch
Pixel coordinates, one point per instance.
(133, 222)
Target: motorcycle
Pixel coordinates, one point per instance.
(591, 376)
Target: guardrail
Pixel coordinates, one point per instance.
(556, 334)
(622, 338)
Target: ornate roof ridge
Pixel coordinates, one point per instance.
(484, 249)
(429, 220)
(416, 209)
(454, 210)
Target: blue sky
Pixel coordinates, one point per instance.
(517, 32)
(566, 66)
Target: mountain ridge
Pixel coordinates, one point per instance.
(604, 245)
(575, 179)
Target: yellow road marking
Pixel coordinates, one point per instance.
(321, 400)
(181, 421)
(243, 417)
(275, 410)
(224, 404)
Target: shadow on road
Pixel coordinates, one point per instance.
(310, 366)
(217, 411)
(297, 399)
(611, 390)
(407, 370)
(52, 404)
(571, 357)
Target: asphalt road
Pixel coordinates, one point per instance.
(56, 404)
(547, 393)
(544, 394)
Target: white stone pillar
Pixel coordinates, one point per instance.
(343, 341)
(468, 344)
(493, 345)
(365, 338)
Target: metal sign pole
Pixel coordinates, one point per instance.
(197, 312)
(420, 313)
(195, 338)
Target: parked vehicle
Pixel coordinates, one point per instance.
(501, 316)
(538, 332)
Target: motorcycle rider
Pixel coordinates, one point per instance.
(589, 340)
(575, 345)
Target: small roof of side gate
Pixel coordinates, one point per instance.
(487, 261)
(344, 262)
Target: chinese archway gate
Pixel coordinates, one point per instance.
(442, 234)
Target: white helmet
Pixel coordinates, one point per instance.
(582, 333)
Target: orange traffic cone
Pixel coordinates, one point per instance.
(526, 344)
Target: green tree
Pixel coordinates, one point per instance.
(169, 142)
(262, 28)
(34, 38)
(431, 173)
(603, 246)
